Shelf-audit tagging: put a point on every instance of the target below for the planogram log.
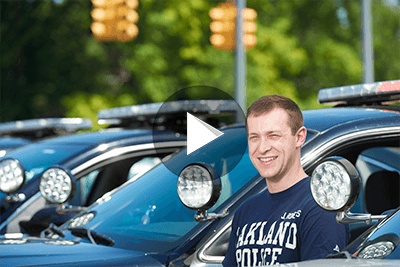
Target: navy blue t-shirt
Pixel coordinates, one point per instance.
(283, 227)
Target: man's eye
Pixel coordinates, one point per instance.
(253, 137)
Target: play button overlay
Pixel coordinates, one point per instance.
(203, 118)
(199, 133)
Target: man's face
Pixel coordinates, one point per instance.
(272, 147)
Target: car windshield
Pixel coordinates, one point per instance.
(147, 215)
(35, 158)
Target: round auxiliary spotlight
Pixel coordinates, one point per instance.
(377, 250)
(335, 184)
(199, 186)
(57, 185)
(12, 176)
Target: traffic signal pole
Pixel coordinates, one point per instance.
(367, 42)
(233, 27)
(240, 59)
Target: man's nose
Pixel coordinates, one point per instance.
(264, 146)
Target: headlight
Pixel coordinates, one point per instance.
(12, 176)
(335, 184)
(56, 185)
(377, 250)
(199, 186)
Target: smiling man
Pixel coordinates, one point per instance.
(283, 223)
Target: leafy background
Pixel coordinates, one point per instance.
(52, 67)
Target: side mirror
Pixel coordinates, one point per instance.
(199, 187)
(12, 178)
(335, 186)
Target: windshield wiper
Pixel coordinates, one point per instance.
(92, 236)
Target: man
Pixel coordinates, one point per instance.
(283, 223)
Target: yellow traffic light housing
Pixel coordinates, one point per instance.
(223, 26)
(250, 27)
(114, 20)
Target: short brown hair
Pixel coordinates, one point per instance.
(267, 103)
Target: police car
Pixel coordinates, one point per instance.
(180, 213)
(99, 161)
(19, 133)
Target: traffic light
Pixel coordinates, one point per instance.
(250, 27)
(224, 24)
(114, 20)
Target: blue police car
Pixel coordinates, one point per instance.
(165, 218)
(100, 161)
(17, 134)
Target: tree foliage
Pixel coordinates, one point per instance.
(51, 66)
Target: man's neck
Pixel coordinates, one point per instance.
(276, 186)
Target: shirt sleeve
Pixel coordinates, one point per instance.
(321, 235)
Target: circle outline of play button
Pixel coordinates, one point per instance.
(207, 107)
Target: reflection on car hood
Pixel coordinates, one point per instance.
(344, 263)
(15, 252)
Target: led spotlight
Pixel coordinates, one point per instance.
(57, 185)
(335, 184)
(199, 186)
(12, 176)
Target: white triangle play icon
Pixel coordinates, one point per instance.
(199, 133)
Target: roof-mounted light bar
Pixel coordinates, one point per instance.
(69, 125)
(362, 94)
(180, 107)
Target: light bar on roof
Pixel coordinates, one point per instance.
(361, 94)
(146, 111)
(66, 124)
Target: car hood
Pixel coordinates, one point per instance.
(31, 251)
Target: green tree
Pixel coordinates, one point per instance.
(43, 57)
(330, 32)
(51, 65)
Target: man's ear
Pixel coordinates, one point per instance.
(301, 136)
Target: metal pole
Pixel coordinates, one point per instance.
(240, 75)
(367, 42)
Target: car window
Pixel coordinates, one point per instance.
(83, 187)
(142, 166)
(85, 184)
(379, 169)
